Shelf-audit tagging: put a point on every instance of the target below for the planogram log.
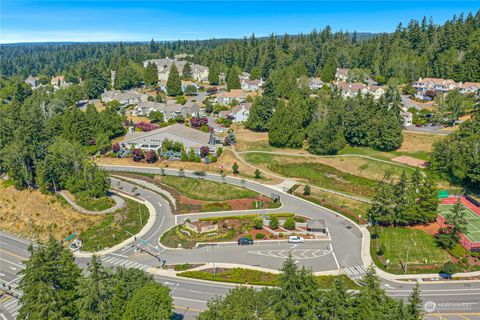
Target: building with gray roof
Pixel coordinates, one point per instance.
(152, 140)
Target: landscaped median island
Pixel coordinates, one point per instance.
(276, 226)
(115, 227)
(200, 195)
(256, 277)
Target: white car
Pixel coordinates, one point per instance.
(295, 239)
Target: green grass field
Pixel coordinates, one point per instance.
(423, 249)
(317, 174)
(473, 227)
(207, 190)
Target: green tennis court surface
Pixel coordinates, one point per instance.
(473, 227)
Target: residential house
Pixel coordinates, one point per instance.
(124, 97)
(32, 81)
(238, 113)
(351, 90)
(376, 91)
(245, 76)
(469, 87)
(315, 83)
(199, 73)
(170, 109)
(225, 98)
(251, 85)
(433, 85)
(152, 140)
(341, 74)
(58, 81)
(407, 117)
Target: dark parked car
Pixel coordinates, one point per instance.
(245, 242)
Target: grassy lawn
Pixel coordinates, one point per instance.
(255, 277)
(207, 190)
(347, 207)
(424, 255)
(317, 174)
(93, 204)
(115, 227)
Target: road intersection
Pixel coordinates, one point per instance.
(343, 253)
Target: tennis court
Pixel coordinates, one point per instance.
(473, 227)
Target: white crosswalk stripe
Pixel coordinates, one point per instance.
(12, 306)
(125, 263)
(355, 273)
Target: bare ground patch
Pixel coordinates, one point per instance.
(32, 214)
(414, 142)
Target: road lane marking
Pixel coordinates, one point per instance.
(159, 203)
(334, 256)
(13, 254)
(119, 255)
(187, 299)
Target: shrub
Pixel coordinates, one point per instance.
(449, 268)
(235, 168)
(249, 236)
(258, 174)
(199, 173)
(274, 222)
(204, 150)
(280, 235)
(289, 224)
(115, 147)
(258, 222)
(259, 236)
(182, 267)
(299, 219)
(151, 156)
(458, 251)
(219, 151)
(138, 155)
(306, 190)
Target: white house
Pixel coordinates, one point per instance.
(341, 74)
(351, 90)
(225, 98)
(376, 91)
(238, 113)
(251, 85)
(469, 87)
(32, 81)
(170, 110)
(407, 117)
(124, 97)
(315, 83)
(199, 73)
(435, 85)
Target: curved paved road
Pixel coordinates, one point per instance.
(191, 296)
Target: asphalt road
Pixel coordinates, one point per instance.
(190, 296)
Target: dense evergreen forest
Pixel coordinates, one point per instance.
(418, 49)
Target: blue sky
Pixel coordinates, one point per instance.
(117, 20)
